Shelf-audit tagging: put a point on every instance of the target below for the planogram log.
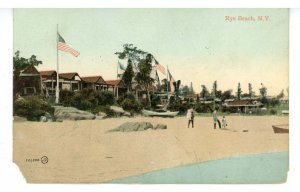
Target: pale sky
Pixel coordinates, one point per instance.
(198, 45)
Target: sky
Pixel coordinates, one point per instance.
(197, 45)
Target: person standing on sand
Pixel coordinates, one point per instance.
(224, 122)
(215, 118)
(190, 117)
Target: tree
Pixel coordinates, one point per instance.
(191, 90)
(218, 94)
(227, 95)
(167, 85)
(280, 95)
(245, 95)
(263, 91)
(142, 62)
(274, 102)
(133, 53)
(250, 90)
(143, 75)
(34, 61)
(214, 90)
(239, 91)
(20, 63)
(185, 90)
(204, 92)
(263, 94)
(176, 85)
(128, 75)
(287, 90)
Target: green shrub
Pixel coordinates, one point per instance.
(96, 109)
(105, 109)
(273, 111)
(65, 97)
(172, 101)
(104, 97)
(87, 99)
(125, 96)
(264, 101)
(129, 103)
(155, 100)
(201, 108)
(108, 111)
(181, 107)
(85, 105)
(32, 108)
(76, 100)
(89, 95)
(79, 102)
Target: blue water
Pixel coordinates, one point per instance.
(262, 168)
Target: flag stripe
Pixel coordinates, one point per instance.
(63, 46)
(160, 68)
(66, 48)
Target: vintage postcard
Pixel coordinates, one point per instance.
(151, 96)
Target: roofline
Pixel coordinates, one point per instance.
(68, 73)
(48, 71)
(114, 80)
(91, 76)
(243, 105)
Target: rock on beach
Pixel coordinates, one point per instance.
(137, 126)
(71, 113)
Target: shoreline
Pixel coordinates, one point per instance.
(187, 173)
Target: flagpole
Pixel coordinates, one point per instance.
(117, 70)
(168, 83)
(57, 69)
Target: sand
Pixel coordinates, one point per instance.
(83, 151)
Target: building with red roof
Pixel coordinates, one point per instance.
(94, 82)
(49, 81)
(30, 81)
(117, 86)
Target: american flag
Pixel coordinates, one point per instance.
(172, 80)
(63, 46)
(160, 68)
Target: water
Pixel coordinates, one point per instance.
(262, 168)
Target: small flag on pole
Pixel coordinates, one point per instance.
(172, 80)
(157, 78)
(63, 46)
(160, 68)
(122, 67)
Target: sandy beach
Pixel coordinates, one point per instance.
(83, 151)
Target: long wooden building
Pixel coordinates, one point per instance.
(45, 82)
